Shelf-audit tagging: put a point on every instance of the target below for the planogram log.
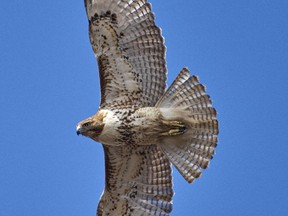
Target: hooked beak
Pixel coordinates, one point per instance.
(79, 130)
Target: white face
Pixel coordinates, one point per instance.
(101, 127)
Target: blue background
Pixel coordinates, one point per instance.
(49, 82)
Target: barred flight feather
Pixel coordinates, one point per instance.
(124, 35)
(137, 180)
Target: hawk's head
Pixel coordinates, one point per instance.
(92, 127)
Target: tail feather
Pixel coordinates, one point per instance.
(180, 79)
(183, 164)
(210, 126)
(202, 115)
(209, 140)
(195, 156)
(190, 95)
(186, 101)
(202, 101)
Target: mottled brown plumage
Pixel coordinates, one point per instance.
(143, 129)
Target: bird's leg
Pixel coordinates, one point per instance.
(175, 128)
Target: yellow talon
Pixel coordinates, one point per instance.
(177, 128)
(173, 123)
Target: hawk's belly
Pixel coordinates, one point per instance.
(131, 126)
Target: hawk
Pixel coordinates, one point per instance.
(142, 127)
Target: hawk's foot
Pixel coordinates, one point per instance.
(177, 128)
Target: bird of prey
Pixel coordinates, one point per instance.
(142, 127)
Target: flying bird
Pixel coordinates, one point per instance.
(142, 127)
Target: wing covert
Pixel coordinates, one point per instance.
(130, 51)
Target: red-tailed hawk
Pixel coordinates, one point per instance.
(142, 127)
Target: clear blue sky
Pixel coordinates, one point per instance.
(49, 82)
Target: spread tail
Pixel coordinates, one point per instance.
(187, 109)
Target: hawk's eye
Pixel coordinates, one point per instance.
(86, 124)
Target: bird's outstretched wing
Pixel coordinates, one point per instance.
(131, 57)
(138, 182)
(130, 52)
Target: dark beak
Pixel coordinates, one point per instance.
(78, 132)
